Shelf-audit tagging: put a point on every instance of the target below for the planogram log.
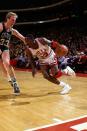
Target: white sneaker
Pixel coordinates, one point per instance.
(69, 71)
(65, 90)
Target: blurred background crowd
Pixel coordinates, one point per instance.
(61, 20)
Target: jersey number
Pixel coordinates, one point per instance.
(4, 42)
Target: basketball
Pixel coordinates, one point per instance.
(62, 50)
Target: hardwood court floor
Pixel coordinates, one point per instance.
(40, 102)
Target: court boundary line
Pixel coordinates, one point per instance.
(54, 124)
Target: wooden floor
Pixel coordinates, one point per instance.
(40, 102)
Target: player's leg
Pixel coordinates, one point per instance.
(57, 72)
(10, 71)
(4, 71)
(46, 74)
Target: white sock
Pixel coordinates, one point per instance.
(62, 84)
(9, 78)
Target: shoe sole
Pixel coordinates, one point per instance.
(16, 94)
(66, 93)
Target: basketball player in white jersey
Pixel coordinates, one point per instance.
(40, 47)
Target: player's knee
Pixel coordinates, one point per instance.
(45, 76)
(7, 63)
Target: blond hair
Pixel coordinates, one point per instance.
(9, 14)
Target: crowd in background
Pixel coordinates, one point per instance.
(75, 40)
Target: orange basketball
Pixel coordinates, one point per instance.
(62, 50)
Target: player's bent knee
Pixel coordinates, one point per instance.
(45, 76)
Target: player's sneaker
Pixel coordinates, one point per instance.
(69, 71)
(65, 90)
(16, 88)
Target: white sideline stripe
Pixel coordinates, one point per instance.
(40, 127)
(80, 127)
(57, 123)
(57, 120)
(54, 119)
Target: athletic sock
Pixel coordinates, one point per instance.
(62, 84)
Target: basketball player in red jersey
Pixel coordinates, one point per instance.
(41, 48)
(6, 31)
